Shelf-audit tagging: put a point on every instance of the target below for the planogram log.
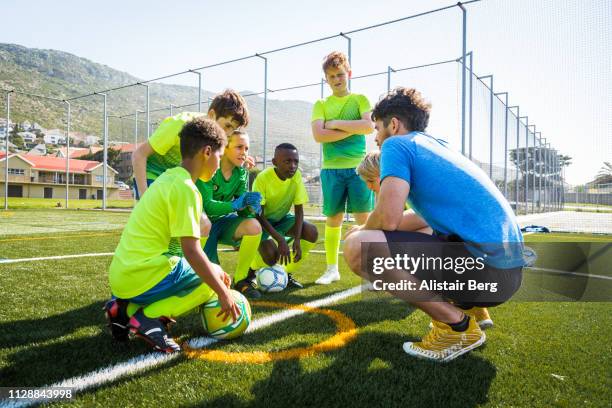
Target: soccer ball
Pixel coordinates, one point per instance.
(225, 329)
(272, 279)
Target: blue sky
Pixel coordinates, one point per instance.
(553, 56)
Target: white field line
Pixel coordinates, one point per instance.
(558, 272)
(147, 361)
(49, 258)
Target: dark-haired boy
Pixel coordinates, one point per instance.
(469, 217)
(226, 202)
(340, 123)
(281, 187)
(151, 287)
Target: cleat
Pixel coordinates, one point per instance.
(443, 344)
(247, 288)
(481, 314)
(153, 332)
(117, 318)
(331, 275)
(292, 283)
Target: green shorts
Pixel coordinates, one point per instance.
(344, 190)
(222, 232)
(282, 226)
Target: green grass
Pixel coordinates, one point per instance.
(52, 328)
(34, 203)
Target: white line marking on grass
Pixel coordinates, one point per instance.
(147, 361)
(559, 272)
(49, 258)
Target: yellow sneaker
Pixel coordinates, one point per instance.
(444, 344)
(481, 314)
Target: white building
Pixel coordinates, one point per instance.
(28, 137)
(54, 139)
(91, 140)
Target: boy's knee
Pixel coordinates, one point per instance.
(205, 226)
(269, 252)
(250, 226)
(310, 232)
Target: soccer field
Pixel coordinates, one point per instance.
(339, 353)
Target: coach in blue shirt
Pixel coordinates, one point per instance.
(457, 214)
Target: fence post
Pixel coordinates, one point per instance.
(6, 159)
(67, 151)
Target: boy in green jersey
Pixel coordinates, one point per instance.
(230, 207)
(151, 287)
(340, 122)
(281, 187)
(162, 151)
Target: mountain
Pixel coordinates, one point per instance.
(63, 75)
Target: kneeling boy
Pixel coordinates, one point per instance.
(281, 187)
(151, 287)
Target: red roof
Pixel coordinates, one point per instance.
(126, 148)
(79, 151)
(59, 163)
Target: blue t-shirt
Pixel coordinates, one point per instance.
(454, 196)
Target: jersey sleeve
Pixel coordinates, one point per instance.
(260, 187)
(301, 195)
(184, 212)
(213, 208)
(396, 159)
(243, 185)
(364, 104)
(167, 134)
(318, 111)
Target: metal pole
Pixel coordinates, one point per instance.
(321, 149)
(470, 102)
(505, 94)
(526, 162)
(105, 159)
(199, 74)
(6, 159)
(171, 106)
(490, 77)
(464, 56)
(516, 157)
(136, 128)
(540, 207)
(350, 57)
(389, 70)
(148, 110)
(533, 184)
(265, 109)
(547, 181)
(67, 151)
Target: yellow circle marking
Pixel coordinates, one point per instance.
(346, 332)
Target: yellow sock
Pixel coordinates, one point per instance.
(332, 244)
(175, 306)
(249, 247)
(306, 247)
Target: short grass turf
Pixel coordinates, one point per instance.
(52, 328)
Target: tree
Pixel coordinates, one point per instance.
(114, 157)
(605, 174)
(15, 138)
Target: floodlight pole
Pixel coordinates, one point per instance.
(171, 106)
(105, 152)
(389, 71)
(265, 108)
(350, 56)
(6, 158)
(67, 150)
(505, 94)
(516, 181)
(463, 79)
(490, 124)
(147, 109)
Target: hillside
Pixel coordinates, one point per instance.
(63, 75)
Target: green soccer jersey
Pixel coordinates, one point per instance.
(171, 209)
(218, 193)
(166, 144)
(277, 196)
(346, 153)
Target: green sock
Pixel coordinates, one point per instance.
(332, 244)
(249, 248)
(306, 247)
(175, 306)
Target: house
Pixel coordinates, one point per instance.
(76, 152)
(28, 137)
(91, 140)
(125, 161)
(38, 150)
(54, 139)
(45, 177)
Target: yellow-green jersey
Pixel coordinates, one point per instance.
(171, 209)
(349, 152)
(278, 196)
(166, 144)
